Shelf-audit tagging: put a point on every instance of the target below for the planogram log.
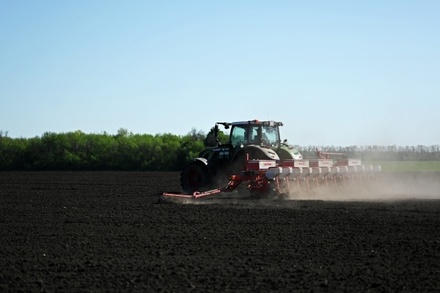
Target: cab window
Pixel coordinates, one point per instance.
(238, 135)
(270, 135)
(255, 135)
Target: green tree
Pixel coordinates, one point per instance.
(210, 139)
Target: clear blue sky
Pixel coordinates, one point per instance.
(335, 72)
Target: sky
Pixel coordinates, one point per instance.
(337, 73)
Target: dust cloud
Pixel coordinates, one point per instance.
(389, 186)
(392, 186)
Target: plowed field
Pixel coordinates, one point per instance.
(107, 231)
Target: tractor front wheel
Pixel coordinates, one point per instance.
(194, 177)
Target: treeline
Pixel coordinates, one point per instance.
(160, 152)
(80, 151)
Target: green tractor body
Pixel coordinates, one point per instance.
(247, 140)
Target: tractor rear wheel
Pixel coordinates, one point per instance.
(194, 177)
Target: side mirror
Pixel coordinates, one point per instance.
(216, 131)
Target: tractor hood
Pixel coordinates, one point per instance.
(262, 152)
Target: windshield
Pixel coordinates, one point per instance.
(270, 135)
(265, 135)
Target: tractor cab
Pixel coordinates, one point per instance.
(260, 139)
(255, 133)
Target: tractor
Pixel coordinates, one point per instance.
(248, 140)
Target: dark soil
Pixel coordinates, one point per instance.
(107, 231)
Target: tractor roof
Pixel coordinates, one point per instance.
(252, 122)
(266, 122)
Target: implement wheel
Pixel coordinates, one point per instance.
(194, 177)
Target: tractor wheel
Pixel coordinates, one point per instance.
(194, 177)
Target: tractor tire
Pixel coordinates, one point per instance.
(194, 177)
